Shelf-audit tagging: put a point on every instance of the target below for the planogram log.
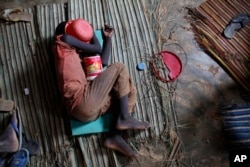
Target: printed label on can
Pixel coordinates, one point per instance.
(92, 66)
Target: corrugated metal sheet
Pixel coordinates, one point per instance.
(26, 63)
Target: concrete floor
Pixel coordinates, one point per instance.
(201, 89)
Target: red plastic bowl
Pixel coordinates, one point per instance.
(79, 28)
(172, 63)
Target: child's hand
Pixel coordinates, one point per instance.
(108, 30)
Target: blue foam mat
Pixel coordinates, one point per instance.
(98, 34)
(100, 125)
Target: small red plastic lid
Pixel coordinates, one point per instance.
(172, 63)
(79, 28)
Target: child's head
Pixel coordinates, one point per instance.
(80, 28)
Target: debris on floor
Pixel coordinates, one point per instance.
(15, 15)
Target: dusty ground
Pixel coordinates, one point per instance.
(202, 87)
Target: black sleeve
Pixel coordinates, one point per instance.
(107, 45)
(89, 48)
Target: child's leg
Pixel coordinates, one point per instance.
(97, 95)
(124, 120)
(116, 142)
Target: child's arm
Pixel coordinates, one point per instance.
(89, 48)
(108, 32)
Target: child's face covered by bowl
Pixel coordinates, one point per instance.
(81, 29)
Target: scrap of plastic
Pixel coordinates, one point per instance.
(26, 91)
(141, 66)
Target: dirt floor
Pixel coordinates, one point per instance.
(201, 89)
